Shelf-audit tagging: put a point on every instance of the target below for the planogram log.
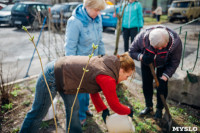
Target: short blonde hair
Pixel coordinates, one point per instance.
(158, 37)
(95, 4)
(126, 62)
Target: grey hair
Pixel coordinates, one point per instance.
(95, 4)
(158, 37)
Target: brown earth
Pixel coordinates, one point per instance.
(12, 119)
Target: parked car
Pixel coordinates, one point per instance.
(184, 10)
(60, 13)
(29, 14)
(108, 17)
(2, 6)
(5, 15)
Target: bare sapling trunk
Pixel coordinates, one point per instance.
(119, 16)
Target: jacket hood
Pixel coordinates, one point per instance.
(81, 14)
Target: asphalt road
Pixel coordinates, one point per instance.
(16, 49)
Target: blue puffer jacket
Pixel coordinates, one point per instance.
(133, 16)
(81, 32)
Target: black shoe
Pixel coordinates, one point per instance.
(158, 114)
(147, 110)
(89, 113)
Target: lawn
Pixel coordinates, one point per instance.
(150, 20)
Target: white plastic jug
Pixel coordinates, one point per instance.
(119, 124)
(49, 114)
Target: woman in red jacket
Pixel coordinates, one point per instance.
(64, 76)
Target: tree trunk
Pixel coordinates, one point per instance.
(154, 5)
(119, 24)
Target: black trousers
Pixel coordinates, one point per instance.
(158, 18)
(147, 80)
(127, 33)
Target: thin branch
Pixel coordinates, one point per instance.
(32, 40)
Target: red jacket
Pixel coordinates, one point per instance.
(108, 86)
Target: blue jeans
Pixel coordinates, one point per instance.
(42, 103)
(83, 103)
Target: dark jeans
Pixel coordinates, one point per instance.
(147, 80)
(158, 18)
(127, 33)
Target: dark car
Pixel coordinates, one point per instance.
(60, 13)
(108, 17)
(29, 14)
(5, 15)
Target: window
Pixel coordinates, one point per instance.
(19, 7)
(72, 7)
(38, 8)
(198, 3)
(181, 4)
(192, 4)
(42, 7)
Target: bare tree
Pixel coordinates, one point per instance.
(119, 16)
(154, 5)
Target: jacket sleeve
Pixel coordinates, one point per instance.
(174, 59)
(136, 47)
(101, 48)
(98, 102)
(140, 15)
(108, 86)
(72, 36)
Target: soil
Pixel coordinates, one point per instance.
(11, 120)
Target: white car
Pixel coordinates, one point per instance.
(5, 15)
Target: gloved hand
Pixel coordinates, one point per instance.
(162, 86)
(105, 114)
(131, 114)
(148, 57)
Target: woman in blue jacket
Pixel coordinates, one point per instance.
(132, 22)
(83, 29)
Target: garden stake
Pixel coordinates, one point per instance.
(167, 115)
(32, 40)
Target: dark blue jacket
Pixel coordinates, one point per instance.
(169, 57)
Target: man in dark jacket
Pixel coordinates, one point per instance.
(162, 47)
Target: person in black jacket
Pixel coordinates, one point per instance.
(162, 47)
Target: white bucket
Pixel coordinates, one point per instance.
(119, 124)
(49, 114)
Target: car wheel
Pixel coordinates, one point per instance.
(171, 20)
(191, 18)
(19, 26)
(35, 25)
(104, 28)
(11, 24)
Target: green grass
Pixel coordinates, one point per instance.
(15, 92)
(7, 106)
(150, 20)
